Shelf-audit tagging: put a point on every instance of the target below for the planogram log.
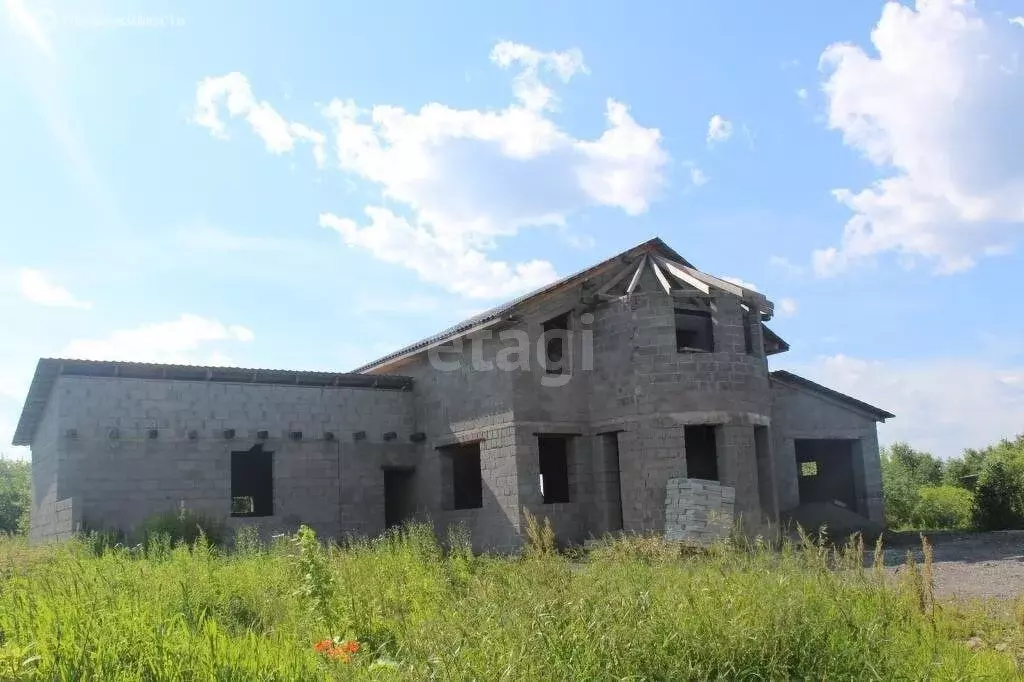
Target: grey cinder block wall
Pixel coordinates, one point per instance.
(123, 449)
(622, 406)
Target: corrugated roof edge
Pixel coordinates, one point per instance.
(771, 336)
(796, 380)
(49, 369)
(506, 308)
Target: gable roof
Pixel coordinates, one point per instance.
(784, 377)
(48, 370)
(655, 246)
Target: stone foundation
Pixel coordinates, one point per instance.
(698, 511)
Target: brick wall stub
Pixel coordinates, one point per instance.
(698, 511)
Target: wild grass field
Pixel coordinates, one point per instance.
(404, 608)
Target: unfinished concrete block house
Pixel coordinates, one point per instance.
(634, 395)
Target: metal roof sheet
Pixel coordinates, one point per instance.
(507, 308)
(49, 369)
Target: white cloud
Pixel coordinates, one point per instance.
(697, 177)
(941, 405)
(938, 110)
(527, 86)
(1019, 21)
(25, 22)
(786, 265)
(623, 167)
(36, 287)
(576, 240)
(465, 270)
(463, 178)
(802, 93)
(740, 283)
(185, 340)
(719, 129)
(234, 92)
(787, 307)
(240, 333)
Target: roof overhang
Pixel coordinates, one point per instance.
(48, 370)
(670, 269)
(502, 311)
(796, 381)
(773, 343)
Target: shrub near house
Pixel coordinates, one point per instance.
(982, 489)
(15, 495)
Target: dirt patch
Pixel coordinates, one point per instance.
(966, 565)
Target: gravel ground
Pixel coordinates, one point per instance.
(967, 565)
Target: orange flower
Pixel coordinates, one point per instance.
(337, 650)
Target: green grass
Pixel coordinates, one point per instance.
(633, 609)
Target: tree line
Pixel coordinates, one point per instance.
(15, 495)
(981, 489)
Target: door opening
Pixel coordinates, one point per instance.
(399, 496)
(612, 479)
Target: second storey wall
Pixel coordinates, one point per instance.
(645, 387)
(460, 400)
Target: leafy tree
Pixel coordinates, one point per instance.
(963, 471)
(999, 500)
(904, 472)
(943, 506)
(925, 492)
(15, 495)
(922, 468)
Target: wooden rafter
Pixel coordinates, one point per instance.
(636, 275)
(661, 277)
(680, 272)
(605, 290)
(703, 281)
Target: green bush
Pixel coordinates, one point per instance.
(918, 488)
(15, 495)
(184, 526)
(999, 502)
(904, 472)
(943, 506)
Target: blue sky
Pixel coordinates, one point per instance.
(309, 187)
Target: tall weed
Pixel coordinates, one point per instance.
(637, 608)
